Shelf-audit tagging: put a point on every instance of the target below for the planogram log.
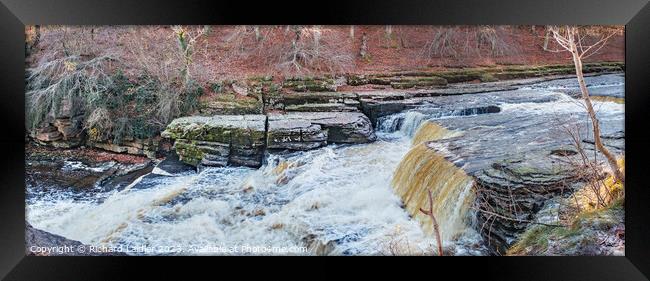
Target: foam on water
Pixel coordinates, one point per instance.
(406, 123)
(563, 104)
(338, 196)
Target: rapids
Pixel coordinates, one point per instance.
(337, 200)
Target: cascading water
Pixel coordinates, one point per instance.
(428, 130)
(406, 123)
(340, 200)
(335, 200)
(421, 171)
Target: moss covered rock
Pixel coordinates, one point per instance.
(219, 140)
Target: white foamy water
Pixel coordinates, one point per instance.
(563, 104)
(406, 123)
(336, 200)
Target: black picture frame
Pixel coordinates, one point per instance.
(635, 14)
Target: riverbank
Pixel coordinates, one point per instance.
(308, 172)
(374, 95)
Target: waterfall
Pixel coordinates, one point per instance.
(422, 170)
(412, 120)
(429, 130)
(406, 123)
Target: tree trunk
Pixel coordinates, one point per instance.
(364, 47)
(258, 35)
(577, 61)
(546, 37)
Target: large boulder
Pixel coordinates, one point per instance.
(219, 140)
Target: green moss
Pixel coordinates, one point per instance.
(247, 137)
(260, 79)
(230, 104)
(379, 81)
(536, 239)
(487, 77)
(600, 219)
(569, 239)
(309, 84)
(189, 152)
(357, 80)
(405, 83)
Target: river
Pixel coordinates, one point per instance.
(336, 200)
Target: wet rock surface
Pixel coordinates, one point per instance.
(285, 132)
(377, 104)
(518, 155)
(172, 165)
(599, 85)
(80, 170)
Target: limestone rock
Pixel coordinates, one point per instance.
(289, 133)
(240, 89)
(320, 102)
(342, 127)
(222, 140)
(515, 148)
(219, 140)
(316, 84)
(147, 147)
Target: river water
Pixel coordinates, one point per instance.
(336, 200)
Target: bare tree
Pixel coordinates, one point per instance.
(363, 52)
(582, 42)
(310, 48)
(187, 38)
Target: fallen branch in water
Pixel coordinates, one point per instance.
(434, 222)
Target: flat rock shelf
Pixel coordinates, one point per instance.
(241, 140)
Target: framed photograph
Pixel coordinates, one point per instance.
(426, 129)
